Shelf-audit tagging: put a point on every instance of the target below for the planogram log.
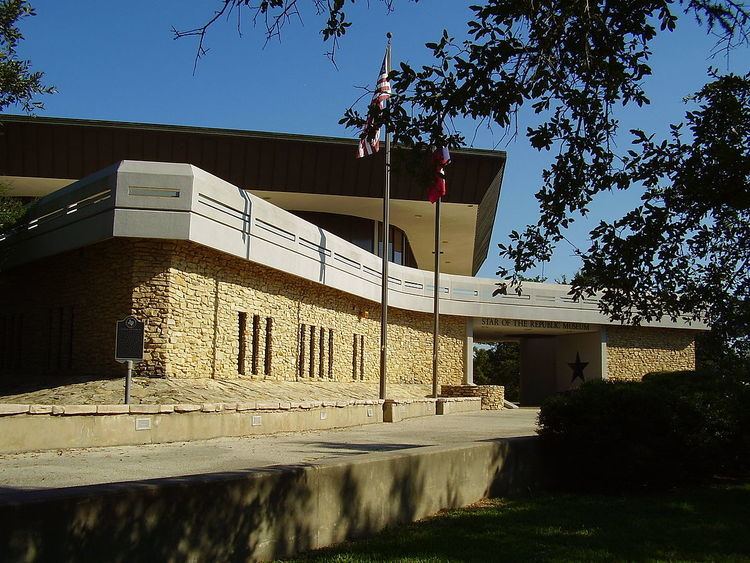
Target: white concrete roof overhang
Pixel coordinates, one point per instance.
(182, 202)
(493, 334)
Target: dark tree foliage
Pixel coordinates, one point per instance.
(11, 210)
(575, 63)
(686, 247)
(274, 16)
(499, 365)
(19, 85)
(672, 428)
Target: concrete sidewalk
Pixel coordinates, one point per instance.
(29, 474)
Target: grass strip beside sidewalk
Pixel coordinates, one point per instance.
(709, 523)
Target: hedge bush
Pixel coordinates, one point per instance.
(669, 429)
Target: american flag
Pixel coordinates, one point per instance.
(369, 139)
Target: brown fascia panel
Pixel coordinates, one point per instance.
(42, 147)
(486, 220)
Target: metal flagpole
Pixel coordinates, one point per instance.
(436, 302)
(386, 228)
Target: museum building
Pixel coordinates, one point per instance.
(256, 255)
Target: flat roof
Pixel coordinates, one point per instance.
(50, 147)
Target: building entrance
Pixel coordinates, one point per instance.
(553, 356)
(499, 363)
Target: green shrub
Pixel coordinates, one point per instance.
(668, 429)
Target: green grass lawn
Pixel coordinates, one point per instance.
(711, 523)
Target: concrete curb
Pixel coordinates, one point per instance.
(13, 409)
(25, 428)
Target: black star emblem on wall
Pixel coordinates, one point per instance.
(577, 368)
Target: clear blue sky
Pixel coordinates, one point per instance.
(118, 61)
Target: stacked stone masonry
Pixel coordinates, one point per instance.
(57, 316)
(492, 396)
(633, 352)
(191, 298)
(65, 308)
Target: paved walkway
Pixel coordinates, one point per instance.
(23, 473)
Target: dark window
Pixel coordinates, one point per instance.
(311, 365)
(361, 356)
(17, 352)
(361, 234)
(3, 345)
(302, 340)
(11, 341)
(241, 342)
(70, 338)
(380, 239)
(360, 231)
(358, 357)
(354, 356)
(269, 346)
(256, 343)
(321, 354)
(399, 249)
(330, 354)
(59, 338)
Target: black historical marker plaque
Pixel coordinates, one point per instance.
(129, 340)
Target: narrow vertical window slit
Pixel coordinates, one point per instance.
(311, 365)
(330, 353)
(70, 339)
(269, 346)
(354, 357)
(321, 354)
(302, 341)
(361, 356)
(241, 342)
(60, 336)
(256, 344)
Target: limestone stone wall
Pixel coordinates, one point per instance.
(492, 395)
(209, 291)
(632, 352)
(58, 316)
(150, 291)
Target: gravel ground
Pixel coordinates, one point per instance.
(84, 391)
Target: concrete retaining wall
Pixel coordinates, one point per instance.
(26, 428)
(492, 395)
(454, 406)
(84, 426)
(262, 514)
(395, 410)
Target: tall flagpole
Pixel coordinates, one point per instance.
(440, 159)
(436, 303)
(386, 229)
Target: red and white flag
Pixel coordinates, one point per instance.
(369, 140)
(440, 159)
